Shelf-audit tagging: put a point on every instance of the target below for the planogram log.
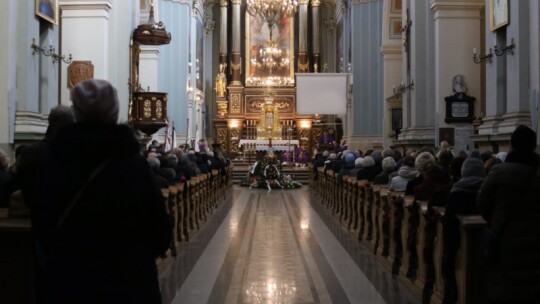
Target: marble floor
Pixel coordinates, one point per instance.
(272, 247)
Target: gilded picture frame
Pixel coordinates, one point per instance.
(47, 10)
(498, 14)
(257, 34)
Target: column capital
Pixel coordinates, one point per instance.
(303, 2)
(315, 3)
(439, 5)
(86, 5)
(209, 25)
(223, 3)
(237, 2)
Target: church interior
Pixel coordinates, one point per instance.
(296, 80)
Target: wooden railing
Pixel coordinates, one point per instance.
(406, 235)
(190, 204)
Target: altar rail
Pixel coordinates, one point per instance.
(405, 235)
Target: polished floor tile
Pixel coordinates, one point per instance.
(277, 247)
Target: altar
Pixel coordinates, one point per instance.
(264, 144)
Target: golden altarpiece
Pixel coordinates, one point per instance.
(255, 85)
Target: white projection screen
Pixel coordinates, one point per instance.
(321, 93)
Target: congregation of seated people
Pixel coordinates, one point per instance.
(498, 186)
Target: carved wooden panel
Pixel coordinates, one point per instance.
(235, 103)
(79, 71)
(234, 142)
(284, 104)
(222, 138)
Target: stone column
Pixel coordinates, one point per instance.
(457, 31)
(223, 32)
(518, 67)
(418, 60)
(236, 63)
(392, 70)
(303, 60)
(315, 4)
(86, 21)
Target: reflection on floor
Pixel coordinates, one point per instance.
(280, 246)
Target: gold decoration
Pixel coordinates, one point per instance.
(237, 66)
(221, 81)
(235, 103)
(147, 109)
(234, 142)
(315, 3)
(303, 66)
(159, 109)
(222, 107)
(222, 138)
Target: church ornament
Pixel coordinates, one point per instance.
(147, 110)
(459, 106)
(79, 71)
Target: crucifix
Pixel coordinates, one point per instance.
(406, 40)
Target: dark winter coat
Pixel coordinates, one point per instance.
(106, 248)
(509, 200)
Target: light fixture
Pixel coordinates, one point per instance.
(271, 11)
(486, 58)
(402, 88)
(507, 50)
(270, 56)
(49, 53)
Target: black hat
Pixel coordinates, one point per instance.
(523, 139)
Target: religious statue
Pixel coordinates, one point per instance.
(221, 81)
(458, 85)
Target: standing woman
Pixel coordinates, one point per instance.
(99, 218)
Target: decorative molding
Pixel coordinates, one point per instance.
(198, 8)
(303, 2)
(235, 103)
(223, 3)
(188, 2)
(330, 25)
(85, 5)
(460, 6)
(315, 3)
(354, 2)
(209, 25)
(238, 2)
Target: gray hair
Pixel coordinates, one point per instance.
(422, 159)
(153, 163)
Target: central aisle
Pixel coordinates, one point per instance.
(276, 247)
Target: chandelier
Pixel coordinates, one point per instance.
(271, 57)
(271, 11)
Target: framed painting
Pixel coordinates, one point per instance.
(395, 7)
(257, 45)
(395, 28)
(498, 14)
(48, 10)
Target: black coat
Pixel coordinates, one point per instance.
(106, 248)
(509, 200)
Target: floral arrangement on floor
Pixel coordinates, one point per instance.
(268, 174)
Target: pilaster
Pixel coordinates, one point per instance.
(85, 34)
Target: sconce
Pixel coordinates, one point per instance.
(403, 88)
(507, 50)
(36, 49)
(479, 59)
(58, 58)
(49, 53)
